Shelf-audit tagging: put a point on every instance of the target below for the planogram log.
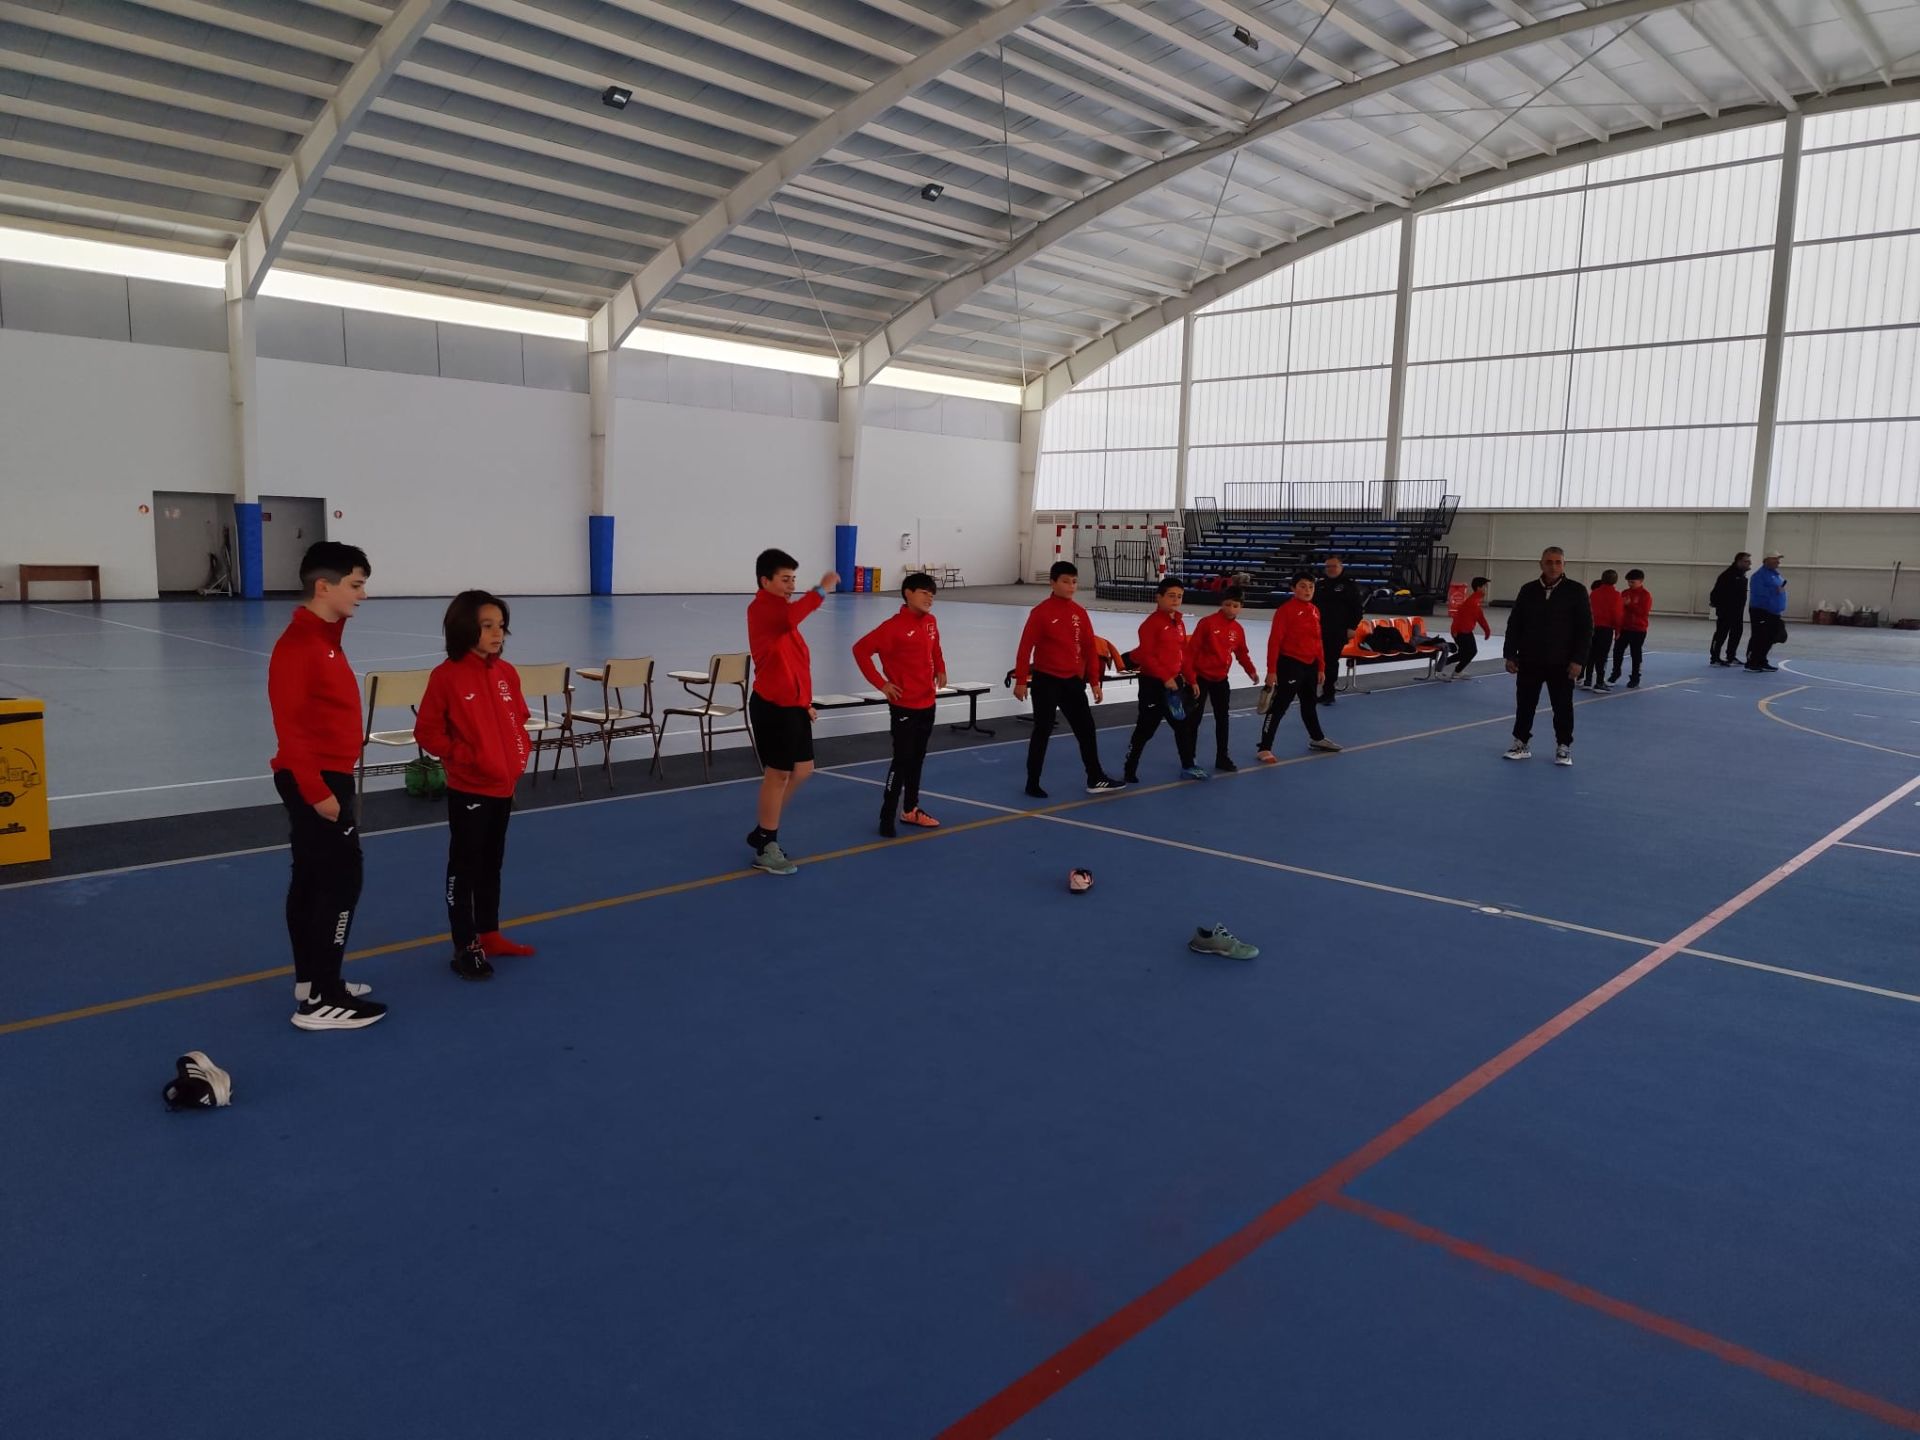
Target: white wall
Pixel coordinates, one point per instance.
(89, 429)
(907, 477)
(447, 484)
(699, 492)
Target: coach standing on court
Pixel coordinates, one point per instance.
(1547, 638)
(1729, 602)
(1767, 610)
(1340, 603)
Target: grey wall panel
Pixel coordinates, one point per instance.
(815, 398)
(979, 419)
(392, 342)
(554, 364)
(63, 302)
(492, 356)
(705, 383)
(642, 375)
(188, 317)
(295, 330)
(893, 409)
(762, 392)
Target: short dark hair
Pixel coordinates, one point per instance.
(1742, 555)
(769, 563)
(331, 561)
(1636, 574)
(1307, 575)
(1062, 567)
(1607, 577)
(1554, 550)
(919, 580)
(462, 624)
(1335, 555)
(1172, 582)
(1232, 592)
(1477, 582)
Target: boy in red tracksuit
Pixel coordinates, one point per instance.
(1605, 600)
(1058, 663)
(316, 719)
(1161, 658)
(780, 709)
(1636, 616)
(1217, 642)
(910, 674)
(1296, 663)
(473, 718)
(1473, 612)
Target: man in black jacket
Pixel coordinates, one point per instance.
(1729, 602)
(1340, 604)
(1547, 638)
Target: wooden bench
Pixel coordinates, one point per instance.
(31, 573)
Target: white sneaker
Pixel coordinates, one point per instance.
(1563, 754)
(1519, 751)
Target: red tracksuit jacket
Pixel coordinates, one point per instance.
(909, 649)
(1636, 609)
(1472, 612)
(1163, 646)
(1217, 642)
(1607, 607)
(1296, 634)
(782, 664)
(1058, 641)
(474, 719)
(316, 703)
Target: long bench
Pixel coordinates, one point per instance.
(87, 574)
(1412, 629)
(971, 689)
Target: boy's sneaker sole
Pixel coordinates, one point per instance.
(317, 1015)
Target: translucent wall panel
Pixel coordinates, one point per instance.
(1105, 480)
(1248, 342)
(1491, 242)
(1856, 192)
(1491, 471)
(1484, 397)
(1507, 317)
(1715, 383)
(1236, 412)
(1211, 469)
(1658, 469)
(1154, 361)
(1345, 405)
(1365, 264)
(1275, 288)
(1856, 282)
(1342, 333)
(1865, 374)
(1682, 214)
(1704, 299)
(1879, 122)
(1723, 149)
(1358, 460)
(1872, 465)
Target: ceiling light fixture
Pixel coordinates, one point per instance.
(931, 192)
(615, 97)
(1246, 37)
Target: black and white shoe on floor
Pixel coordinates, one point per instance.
(337, 1011)
(198, 1084)
(471, 964)
(1103, 786)
(1563, 754)
(1519, 750)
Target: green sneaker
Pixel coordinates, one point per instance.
(1220, 941)
(774, 860)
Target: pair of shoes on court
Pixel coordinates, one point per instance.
(1716, 660)
(1218, 940)
(1762, 669)
(344, 1007)
(1521, 750)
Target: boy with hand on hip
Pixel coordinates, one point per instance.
(910, 674)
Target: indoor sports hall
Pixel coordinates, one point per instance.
(1307, 610)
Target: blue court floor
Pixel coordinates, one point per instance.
(1560, 1102)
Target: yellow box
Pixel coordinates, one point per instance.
(23, 782)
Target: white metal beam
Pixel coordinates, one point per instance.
(96, 123)
(1734, 52)
(90, 79)
(1855, 19)
(192, 183)
(131, 42)
(1566, 55)
(1787, 41)
(346, 173)
(267, 231)
(222, 17)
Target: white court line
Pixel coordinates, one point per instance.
(149, 789)
(1788, 666)
(1879, 849)
(166, 634)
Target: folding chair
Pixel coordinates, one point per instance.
(389, 690)
(613, 720)
(540, 683)
(723, 671)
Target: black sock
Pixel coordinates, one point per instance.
(761, 838)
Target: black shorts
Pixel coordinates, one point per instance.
(781, 733)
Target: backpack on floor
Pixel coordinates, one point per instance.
(426, 778)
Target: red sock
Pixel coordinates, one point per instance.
(494, 944)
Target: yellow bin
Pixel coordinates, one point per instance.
(23, 782)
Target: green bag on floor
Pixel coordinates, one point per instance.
(426, 778)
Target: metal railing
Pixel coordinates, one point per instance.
(1339, 501)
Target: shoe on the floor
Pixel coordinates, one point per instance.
(919, 817)
(1769, 669)
(337, 1011)
(773, 860)
(1130, 777)
(1600, 687)
(1443, 675)
(1519, 750)
(1328, 699)
(888, 830)
(1224, 765)
(1194, 772)
(1218, 940)
(1614, 678)
(1265, 757)
(1633, 682)
(197, 1084)
(1563, 754)
(1103, 786)
(471, 964)
(1033, 789)
(494, 945)
(1324, 744)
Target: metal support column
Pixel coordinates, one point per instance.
(1397, 385)
(1776, 337)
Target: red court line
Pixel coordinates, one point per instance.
(1661, 1325)
(1080, 1355)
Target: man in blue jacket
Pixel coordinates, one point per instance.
(1767, 611)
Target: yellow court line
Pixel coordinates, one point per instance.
(682, 887)
(1826, 734)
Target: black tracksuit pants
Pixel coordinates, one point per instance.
(1527, 696)
(325, 887)
(1726, 635)
(1597, 654)
(1465, 648)
(1767, 628)
(1153, 708)
(1332, 642)
(912, 729)
(1219, 695)
(476, 850)
(1051, 693)
(1292, 678)
(1629, 642)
